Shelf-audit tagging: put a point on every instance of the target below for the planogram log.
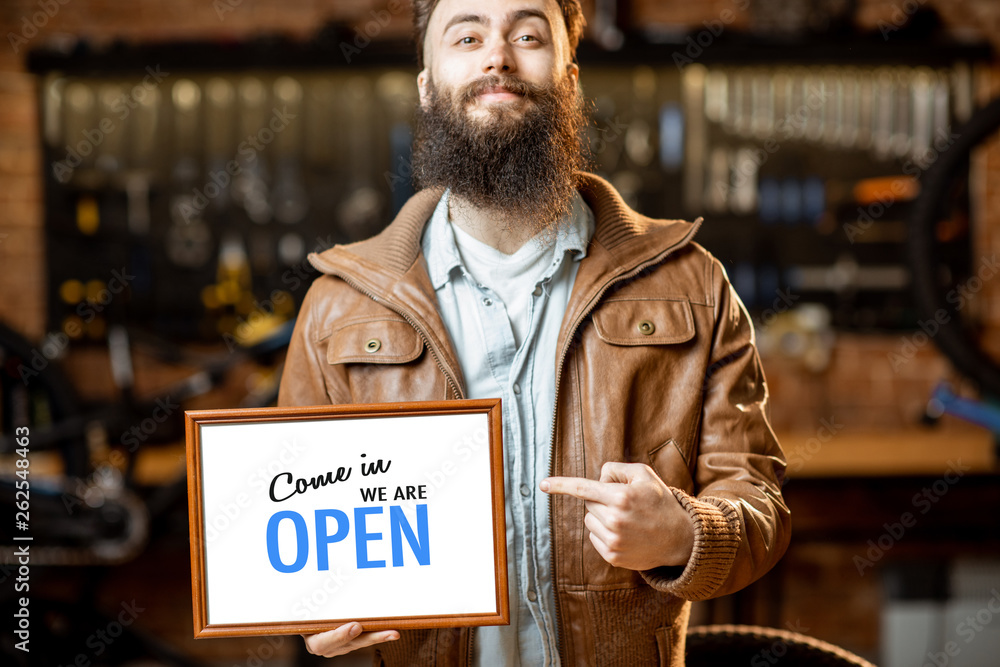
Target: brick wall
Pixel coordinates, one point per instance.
(987, 202)
(22, 287)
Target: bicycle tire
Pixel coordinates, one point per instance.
(953, 339)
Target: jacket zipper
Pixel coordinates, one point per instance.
(559, 367)
(555, 403)
(449, 379)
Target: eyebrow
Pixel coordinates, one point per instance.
(513, 17)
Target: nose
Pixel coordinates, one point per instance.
(499, 59)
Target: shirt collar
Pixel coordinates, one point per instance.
(442, 255)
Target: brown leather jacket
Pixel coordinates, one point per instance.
(685, 395)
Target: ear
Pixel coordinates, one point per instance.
(573, 72)
(425, 96)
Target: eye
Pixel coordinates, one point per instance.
(527, 38)
(467, 40)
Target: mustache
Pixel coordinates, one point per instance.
(511, 83)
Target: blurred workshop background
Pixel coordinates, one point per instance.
(165, 167)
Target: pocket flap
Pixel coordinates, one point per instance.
(645, 321)
(375, 341)
(670, 464)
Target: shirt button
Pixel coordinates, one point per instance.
(532, 596)
(487, 302)
(525, 491)
(538, 290)
(517, 388)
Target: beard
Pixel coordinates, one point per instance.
(521, 166)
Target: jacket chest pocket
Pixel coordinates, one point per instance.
(631, 322)
(374, 341)
(648, 372)
(382, 361)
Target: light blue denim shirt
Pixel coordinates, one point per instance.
(523, 377)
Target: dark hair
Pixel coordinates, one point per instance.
(422, 9)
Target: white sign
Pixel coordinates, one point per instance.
(306, 518)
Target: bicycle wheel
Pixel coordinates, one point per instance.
(955, 338)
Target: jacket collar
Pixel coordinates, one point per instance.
(390, 269)
(628, 239)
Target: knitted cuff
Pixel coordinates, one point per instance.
(716, 540)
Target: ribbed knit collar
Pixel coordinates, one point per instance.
(441, 247)
(629, 237)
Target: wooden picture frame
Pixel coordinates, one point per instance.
(305, 518)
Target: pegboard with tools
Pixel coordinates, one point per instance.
(187, 202)
(205, 179)
(809, 172)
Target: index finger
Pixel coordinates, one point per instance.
(578, 487)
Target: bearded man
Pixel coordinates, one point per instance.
(641, 471)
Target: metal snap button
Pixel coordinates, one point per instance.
(646, 327)
(374, 345)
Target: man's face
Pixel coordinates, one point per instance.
(501, 119)
(470, 41)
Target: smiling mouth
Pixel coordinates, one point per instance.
(498, 94)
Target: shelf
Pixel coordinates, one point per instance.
(889, 453)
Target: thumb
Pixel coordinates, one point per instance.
(625, 473)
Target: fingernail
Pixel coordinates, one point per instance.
(355, 630)
(544, 485)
